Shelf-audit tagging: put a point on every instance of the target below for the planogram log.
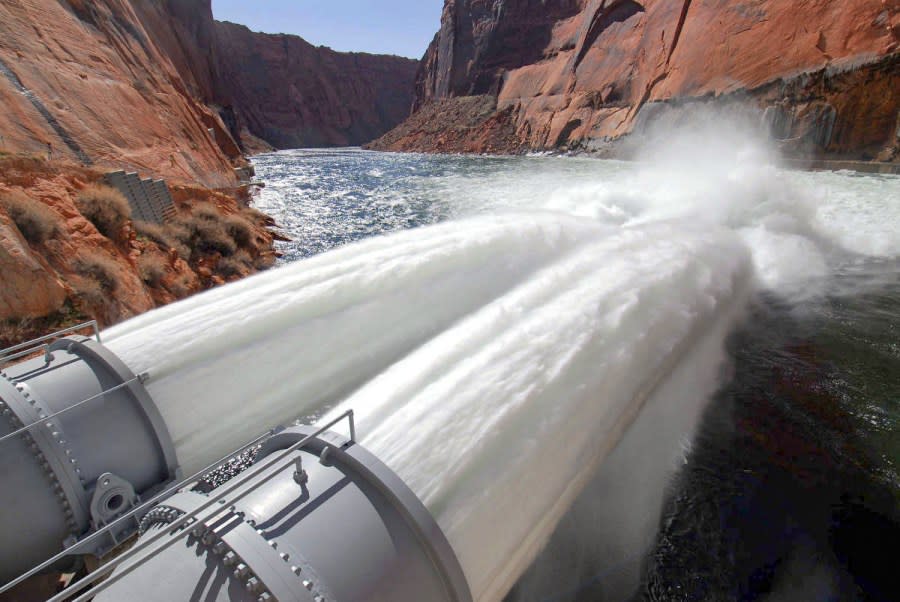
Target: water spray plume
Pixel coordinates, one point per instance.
(569, 328)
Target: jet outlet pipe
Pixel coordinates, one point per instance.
(82, 443)
(316, 518)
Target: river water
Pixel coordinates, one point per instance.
(671, 379)
(795, 464)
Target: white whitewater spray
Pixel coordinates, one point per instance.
(498, 422)
(496, 362)
(229, 363)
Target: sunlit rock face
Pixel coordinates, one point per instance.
(162, 88)
(96, 83)
(568, 72)
(292, 94)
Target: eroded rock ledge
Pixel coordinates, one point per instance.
(823, 76)
(61, 263)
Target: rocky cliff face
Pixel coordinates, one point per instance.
(582, 72)
(292, 94)
(92, 80)
(160, 87)
(60, 263)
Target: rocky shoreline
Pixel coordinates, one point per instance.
(70, 250)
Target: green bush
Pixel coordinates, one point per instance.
(106, 208)
(35, 220)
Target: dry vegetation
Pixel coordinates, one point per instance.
(152, 269)
(13, 332)
(99, 268)
(107, 209)
(132, 265)
(162, 236)
(35, 220)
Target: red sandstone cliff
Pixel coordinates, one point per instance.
(160, 87)
(89, 78)
(59, 265)
(292, 94)
(564, 73)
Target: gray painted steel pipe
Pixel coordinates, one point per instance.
(328, 523)
(81, 443)
(317, 518)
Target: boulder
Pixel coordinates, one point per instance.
(29, 289)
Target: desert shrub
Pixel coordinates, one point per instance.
(100, 269)
(13, 332)
(240, 230)
(170, 236)
(154, 233)
(106, 208)
(264, 262)
(180, 237)
(256, 216)
(228, 267)
(211, 237)
(88, 290)
(35, 220)
(206, 211)
(204, 232)
(152, 269)
(25, 170)
(236, 265)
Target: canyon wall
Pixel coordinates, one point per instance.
(292, 94)
(823, 75)
(158, 86)
(89, 78)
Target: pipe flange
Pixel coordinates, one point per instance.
(53, 426)
(68, 503)
(334, 449)
(99, 358)
(255, 560)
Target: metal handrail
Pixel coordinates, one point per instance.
(141, 378)
(44, 348)
(137, 509)
(33, 345)
(184, 519)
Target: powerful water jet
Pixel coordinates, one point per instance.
(493, 365)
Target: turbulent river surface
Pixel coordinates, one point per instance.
(672, 379)
(792, 476)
